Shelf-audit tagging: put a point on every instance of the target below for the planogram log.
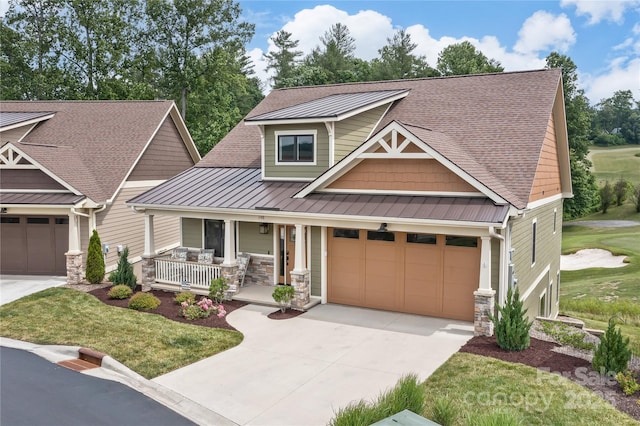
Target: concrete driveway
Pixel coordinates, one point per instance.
(13, 287)
(299, 371)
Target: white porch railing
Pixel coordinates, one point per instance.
(197, 275)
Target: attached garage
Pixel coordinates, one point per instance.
(33, 245)
(425, 274)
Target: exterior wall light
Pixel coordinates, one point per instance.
(263, 228)
(383, 228)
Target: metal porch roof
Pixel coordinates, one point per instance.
(7, 198)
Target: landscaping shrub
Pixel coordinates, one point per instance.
(567, 335)
(408, 394)
(144, 302)
(120, 292)
(283, 294)
(512, 329)
(628, 383)
(94, 270)
(193, 310)
(185, 296)
(444, 411)
(124, 272)
(612, 354)
(217, 289)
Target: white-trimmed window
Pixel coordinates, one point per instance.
(542, 307)
(534, 235)
(296, 147)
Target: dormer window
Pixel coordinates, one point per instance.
(296, 147)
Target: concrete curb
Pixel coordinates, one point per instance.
(116, 371)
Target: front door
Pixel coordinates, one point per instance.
(287, 252)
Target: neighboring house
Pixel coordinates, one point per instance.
(428, 196)
(67, 167)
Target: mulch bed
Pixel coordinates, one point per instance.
(169, 309)
(541, 355)
(289, 313)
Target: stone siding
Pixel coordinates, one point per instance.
(260, 271)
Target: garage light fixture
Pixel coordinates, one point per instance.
(383, 228)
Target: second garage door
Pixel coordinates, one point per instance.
(425, 274)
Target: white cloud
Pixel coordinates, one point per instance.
(602, 10)
(4, 6)
(259, 64)
(545, 31)
(622, 74)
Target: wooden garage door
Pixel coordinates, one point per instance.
(33, 245)
(417, 273)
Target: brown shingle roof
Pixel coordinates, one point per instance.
(91, 145)
(490, 117)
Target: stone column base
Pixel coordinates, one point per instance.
(75, 269)
(484, 306)
(300, 281)
(230, 273)
(148, 272)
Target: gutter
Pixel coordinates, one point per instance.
(502, 277)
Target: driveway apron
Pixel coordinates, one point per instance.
(300, 371)
(14, 287)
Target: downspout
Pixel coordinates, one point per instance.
(94, 213)
(503, 265)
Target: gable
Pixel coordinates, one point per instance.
(547, 182)
(396, 174)
(27, 179)
(165, 157)
(353, 131)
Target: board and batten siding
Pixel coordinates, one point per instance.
(271, 170)
(192, 233)
(165, 157)
(547, 182)
(548, 249)
(316, 261)
(119, 225)
(352, 132)
(250, 240)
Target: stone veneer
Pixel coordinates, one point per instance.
(260, 271)
(484, 306)
(301, 282)
(148, 272)
(75, 270)
(230, 273)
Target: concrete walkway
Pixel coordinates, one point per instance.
(299, 371)
(13, 287)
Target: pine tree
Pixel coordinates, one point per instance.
(124, 272)
(612, 354)
(512, 329)
(94, 270)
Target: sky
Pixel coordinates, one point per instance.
(601, 37)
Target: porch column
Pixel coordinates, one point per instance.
(300, 276)
(229, 267)
(485, 295)
(75, 269)
(148, 261)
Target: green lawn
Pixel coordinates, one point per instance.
(148, 344)
(479, 385)
(597, 294)
(616, 162)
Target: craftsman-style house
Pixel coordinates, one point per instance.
(428, 196)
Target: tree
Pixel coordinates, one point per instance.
(612, 354)
(463, 58)
(94, 271)
(397, 60)
(578, 117)
(284, 60)
(606, 197)
(335, 55)
(184, 31)
(636, 197)
(616, 118)
(123, 275)
(621, 189)
(512, 328)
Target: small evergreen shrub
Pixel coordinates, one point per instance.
(124, 272)
(143, 302)
(628, 383)
(444, 411)
(217, 289)
(120, 292)
(512, 329)
(283, 294)
(612, 354)
(94, 270)
(185, 296)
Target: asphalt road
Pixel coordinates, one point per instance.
(36, 392)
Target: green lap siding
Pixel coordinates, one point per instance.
(353, 131)
(301, 170)
(250, 240)
(315, 266)
(192, 232)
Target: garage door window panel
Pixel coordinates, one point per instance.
(346, 233)
(430, 239)
(381, 236)
(458, 241)
(10, 220)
